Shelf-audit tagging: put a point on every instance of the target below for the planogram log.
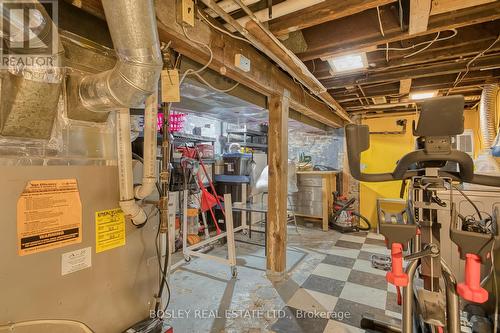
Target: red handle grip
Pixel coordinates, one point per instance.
(397, 276)
(471, 290)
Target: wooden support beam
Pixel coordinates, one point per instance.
(419, 16)
(361, 32)
(469, 40)
(278, 186)
(404, 86)
(443, 6)
(399, 74)
(328, 10)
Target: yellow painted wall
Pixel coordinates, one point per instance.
(386, 150)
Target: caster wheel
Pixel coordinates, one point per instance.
(187, 258)
(234, 272)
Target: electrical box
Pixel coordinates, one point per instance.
(186, 12)
(242, 62)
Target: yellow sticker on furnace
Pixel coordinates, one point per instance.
(109, 229)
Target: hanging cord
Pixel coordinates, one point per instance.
(383, 34)
(460, 77)
(426, 43)
(198, 71)
(222, 30)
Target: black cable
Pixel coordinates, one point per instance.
(469, 200)
(164, 271)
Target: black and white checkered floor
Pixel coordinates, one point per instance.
(341, 289)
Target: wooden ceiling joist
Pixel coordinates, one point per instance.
(326, 11)
(263, 77)
(361, 32)
(419, 16)
(413, 72)
(404, 86)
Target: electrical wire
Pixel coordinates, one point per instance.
(426, 43)
(469, 200)
(460, 77)
(427, 46)
(222, 30)
(67, 322)
(198, 71)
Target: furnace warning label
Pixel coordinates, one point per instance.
(49, 215)
(109, 229)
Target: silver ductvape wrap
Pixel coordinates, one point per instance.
(133, 29)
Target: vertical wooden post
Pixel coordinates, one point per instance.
(278, 186)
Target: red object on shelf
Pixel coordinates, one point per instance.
(397, 276)
(205, 150)
(175, 121)
(471, 290)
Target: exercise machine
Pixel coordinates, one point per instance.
(431, 295)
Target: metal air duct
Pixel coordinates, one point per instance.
(132, 25)
(133, 29)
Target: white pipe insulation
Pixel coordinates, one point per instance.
(281, 9)
(125, 172)
(150, 152)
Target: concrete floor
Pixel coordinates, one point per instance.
(206, 299)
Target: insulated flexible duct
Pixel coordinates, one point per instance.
(487, 114)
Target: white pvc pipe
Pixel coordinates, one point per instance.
(281, 9)
(125, 173)
(150, 140)
(229, 6)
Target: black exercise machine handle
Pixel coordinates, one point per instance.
(358, 140)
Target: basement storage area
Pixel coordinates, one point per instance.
(249, 166)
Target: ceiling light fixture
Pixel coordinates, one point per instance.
(423, 95)
(350, 62)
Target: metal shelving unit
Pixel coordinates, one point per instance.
(247, 138)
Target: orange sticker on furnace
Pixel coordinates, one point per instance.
(49, 215)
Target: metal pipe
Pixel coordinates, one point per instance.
(133, 29)
(487, 114)
(407, 321)
(452, 300)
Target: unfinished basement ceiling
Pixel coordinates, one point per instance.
(199, 98)
(456, 51)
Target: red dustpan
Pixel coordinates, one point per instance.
(208, 201)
